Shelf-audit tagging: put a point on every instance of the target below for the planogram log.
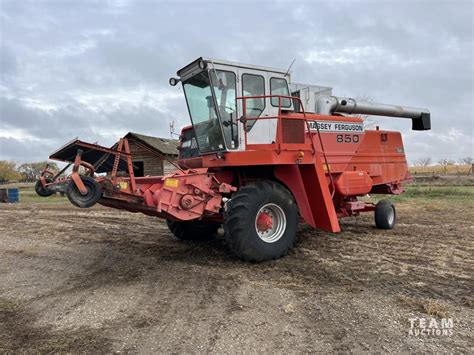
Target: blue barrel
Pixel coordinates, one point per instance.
(13, 195)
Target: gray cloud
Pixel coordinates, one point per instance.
(98, 69)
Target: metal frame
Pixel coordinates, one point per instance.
(279, 139)
(60, 183)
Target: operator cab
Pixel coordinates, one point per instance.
(212, 88)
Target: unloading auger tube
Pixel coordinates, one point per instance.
(328, 105)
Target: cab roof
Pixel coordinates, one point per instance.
(195, 64)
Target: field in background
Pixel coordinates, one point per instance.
(441, 170)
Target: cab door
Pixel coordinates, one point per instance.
(254, 83)
(263, 129)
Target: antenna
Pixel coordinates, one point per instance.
(172, 132)
(294, 59)
(172, 129)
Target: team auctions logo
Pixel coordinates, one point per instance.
(420, 327)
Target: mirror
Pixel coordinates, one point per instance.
(221, 81)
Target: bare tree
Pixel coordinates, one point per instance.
(466, 161)
(445, 163)
(32, 171)
(422, 162)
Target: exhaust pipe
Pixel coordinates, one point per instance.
(327, 105)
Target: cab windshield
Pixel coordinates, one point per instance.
(211, 104)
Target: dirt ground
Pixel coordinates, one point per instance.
(101, 280)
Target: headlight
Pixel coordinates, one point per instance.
(202, 64)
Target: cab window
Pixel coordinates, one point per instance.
(253, 85)
(279, 86)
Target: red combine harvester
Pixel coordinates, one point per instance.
(257, 160)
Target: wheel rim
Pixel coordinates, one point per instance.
(391, 216)
(84, 198)
(270, 223)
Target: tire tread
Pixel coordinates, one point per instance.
(237, 226)
(382, 210)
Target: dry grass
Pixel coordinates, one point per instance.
(441, 170)
(468, 301)
(429, 306)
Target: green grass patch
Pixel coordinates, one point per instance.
(431, 193)
(32, 197)
(7, 305)
(438, 192)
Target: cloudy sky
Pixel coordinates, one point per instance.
(99, 69)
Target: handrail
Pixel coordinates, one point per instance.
(279, 126)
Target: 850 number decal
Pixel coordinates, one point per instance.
(347, 138)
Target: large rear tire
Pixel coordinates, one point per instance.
(94, 193)
(192, 230)
(260, 221)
